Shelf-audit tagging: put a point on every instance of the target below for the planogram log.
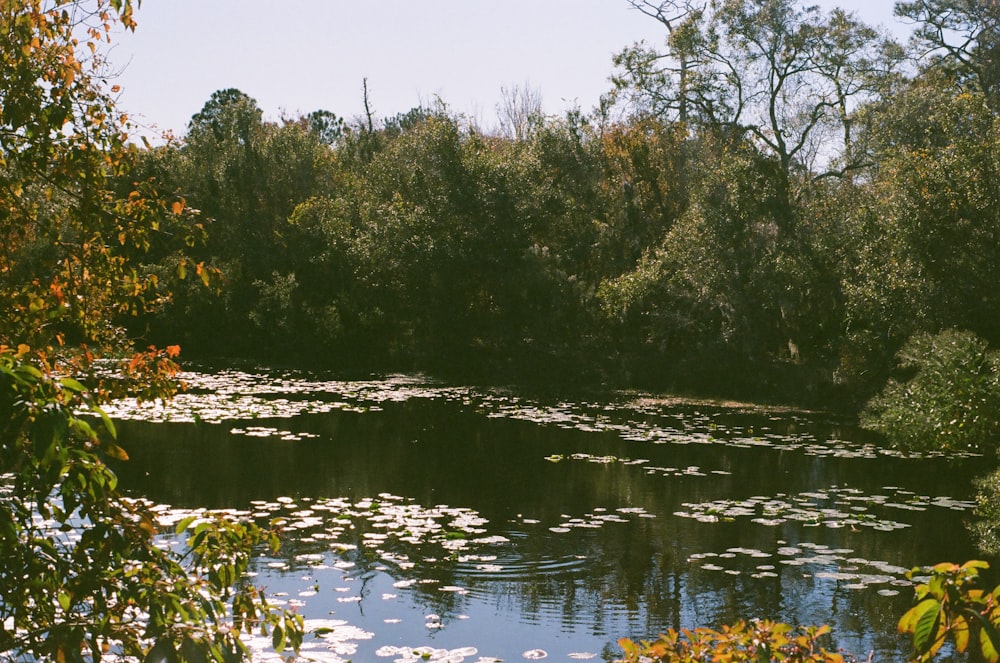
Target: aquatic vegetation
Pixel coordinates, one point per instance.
(430, 654)
(816, 561)
(689, 471)
(834, 507)
(390, 558)
(267, 431)
(234, 395)
(332, 639)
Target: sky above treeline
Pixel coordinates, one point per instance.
(303, 55)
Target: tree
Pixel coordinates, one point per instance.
(246, 176)
(519, 109)
(781, 74)
(959, 35)
(666, 78)
(68, 279)
(920, 238)
(327, 125)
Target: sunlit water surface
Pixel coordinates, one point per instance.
(424, 521)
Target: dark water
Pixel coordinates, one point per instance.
(521, 524)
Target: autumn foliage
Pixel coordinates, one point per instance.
(73, 232)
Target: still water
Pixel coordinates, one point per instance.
(431, 522)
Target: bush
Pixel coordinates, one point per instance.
(986, 528)
(949, 399)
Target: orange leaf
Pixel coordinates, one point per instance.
(178, 207)
(173, 350)
(115, 451)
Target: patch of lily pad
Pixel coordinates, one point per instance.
(430, 654)
(690, 471)
(833, 508)
(810, 560)
(236, 395)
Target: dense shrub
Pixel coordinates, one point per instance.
(986, 528)
(946, 396)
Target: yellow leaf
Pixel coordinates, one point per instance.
(115, 451)
(960, 631)
(202, 273)
(988, 648)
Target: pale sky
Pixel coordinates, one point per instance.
(298, 56)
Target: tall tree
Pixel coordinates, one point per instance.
(666, 77)
(782, 74)
(962, 35)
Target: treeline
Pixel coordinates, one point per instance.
(771, 206)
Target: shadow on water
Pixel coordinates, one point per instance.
(581, 533)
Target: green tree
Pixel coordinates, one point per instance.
(919, 237)
(724, 293)
(326, 125)
(959, 36)
(68, 279)
(245, 176)
(780, 74)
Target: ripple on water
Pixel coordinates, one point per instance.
(514, 567)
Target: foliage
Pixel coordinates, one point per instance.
(756, 641)
(960, 36)
(928, 230)
(83, 576)
(986, 527)
(731, 65)
(245, 176)
(948, 396)
(111, 590)
(949, 606)
(774, 212)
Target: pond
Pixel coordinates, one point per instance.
(425, 521)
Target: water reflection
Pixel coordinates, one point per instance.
(524, 525)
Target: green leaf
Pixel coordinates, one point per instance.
(278, 639)
(72, 385)
(106, 420)
(926, 628)
(183, 524)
